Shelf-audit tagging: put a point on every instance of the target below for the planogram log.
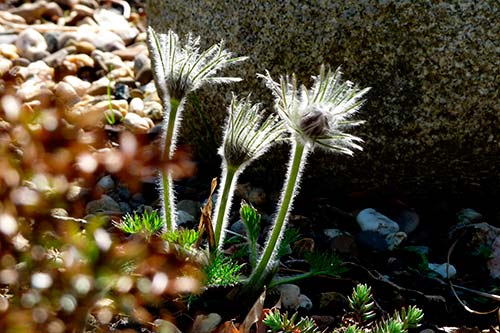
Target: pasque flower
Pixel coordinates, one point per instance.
(247, 136)
(318, 117)
(178, 70)
(315, 118)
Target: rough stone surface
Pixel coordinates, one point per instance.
(433, 113)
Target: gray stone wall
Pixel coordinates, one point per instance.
(433, 114)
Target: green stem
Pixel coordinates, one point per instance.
(292, 279)
(224, 202)
(297, 162)
(166, 174)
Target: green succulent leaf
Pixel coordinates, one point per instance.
(186, 238)
(361, 303)
(281, 322)
(148, 223)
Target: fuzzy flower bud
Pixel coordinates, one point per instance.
(314, 122)
(247, 135)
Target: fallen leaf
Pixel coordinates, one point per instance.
(206, 220)
(254, 315)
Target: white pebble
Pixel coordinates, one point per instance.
(371, 220)
(137, 106)
(137, 124)
(441, 270)
(31, 44)
(290, 296)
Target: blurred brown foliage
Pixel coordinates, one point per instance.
(57, 270)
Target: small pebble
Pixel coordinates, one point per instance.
(344, 244)
(305, 302)
(290, 294)
(8, 38)
(21, 62)
(125, 207)
(116, 104)
(206, 323)
(109, 19)
(107, 41)
(428, 330)
(65, 95)
(103, 205)
(370, 220)
(122, 91)
(59, 212)
(371, 240)
(9, 51)
(5, 66)
(142, 68)
(35, 89)
(153, 110)
(184, 217)
(86, 115)
(395, 239)
(468, 215)
(106, 183)
(137, 200)
(164, 326)
(67, 3)
(41, 70)
(12, 18)
(82, 46)
(130, 52)
(123, 193)
(76, 192)
(239, 227)
(494, 260)
(79, 85)
(190, 206)
(31, 45)
(52, 40)
(100, 87)
(136, 105)
(79, 60)
(333, 301)
(82, 10)
(94, 4)
(440, 269)
(332, 233)
(256, 195)
(137, 124)
(57, 58)
(107, 60)
(407, 220)
(30, 12)
(52, 11)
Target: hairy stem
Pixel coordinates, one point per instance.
(167, 183)
(223, 205)
(297, 162)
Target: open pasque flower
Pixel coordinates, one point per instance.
(247, 136)
(315, 117)
(178, 70)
